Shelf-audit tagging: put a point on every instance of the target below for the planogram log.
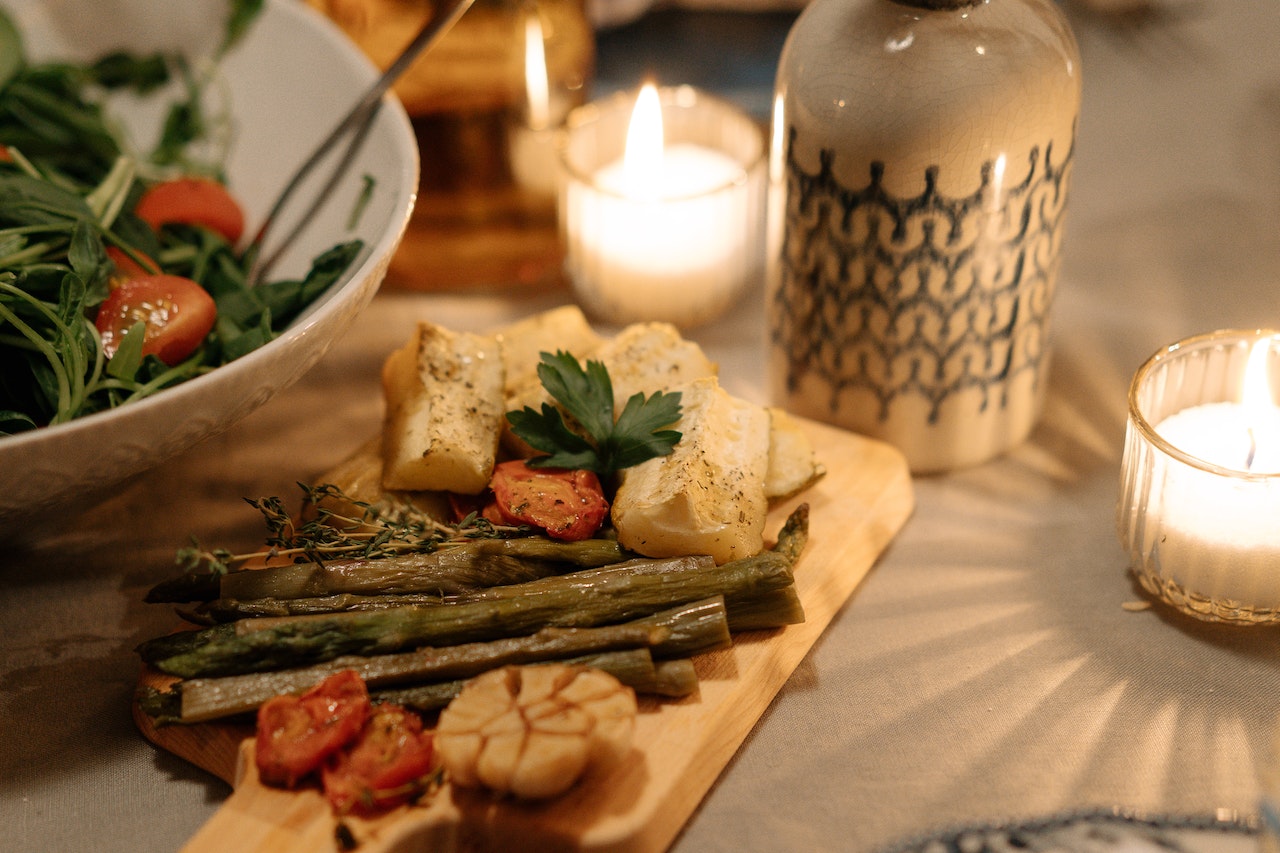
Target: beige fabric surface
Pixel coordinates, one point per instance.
(987, 668)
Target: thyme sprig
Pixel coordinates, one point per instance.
(323, 533)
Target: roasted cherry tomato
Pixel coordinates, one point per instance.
(482, 505)
(297, 734)
(192, 201)
(127, 267)
(178, 313)
(389, 764)
(568, 504)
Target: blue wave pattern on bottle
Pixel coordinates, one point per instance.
(924, 295)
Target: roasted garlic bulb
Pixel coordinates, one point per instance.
(532, 731)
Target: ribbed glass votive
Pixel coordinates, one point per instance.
(681, 243)
(1199, 507)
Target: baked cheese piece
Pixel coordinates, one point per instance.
(793, 464)
(707, 496)
(445, 409)
(523, 342)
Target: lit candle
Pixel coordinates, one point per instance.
(672, 229)
(1242, 436)
(1208, 532)
(533, 151)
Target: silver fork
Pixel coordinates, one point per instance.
(355, 125)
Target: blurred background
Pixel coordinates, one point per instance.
(478, 225)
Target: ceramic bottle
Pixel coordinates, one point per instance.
(921, 156)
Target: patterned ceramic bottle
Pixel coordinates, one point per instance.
(921, 155)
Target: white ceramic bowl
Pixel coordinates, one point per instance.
(288, 83)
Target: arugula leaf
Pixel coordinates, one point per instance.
(44, 114)
(28, 201)
(67, 193)
(86, 253)
(239, 19)
(14, 422)
(121, 70)
(128, 358)
(288, 298)
(184, 124)
(639, 433)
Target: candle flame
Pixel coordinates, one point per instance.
(537, 87)
(1256, 399)
(642, 160)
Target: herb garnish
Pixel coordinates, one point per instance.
(362, 531)
(639, 433)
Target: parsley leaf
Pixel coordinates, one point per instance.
(638, 433)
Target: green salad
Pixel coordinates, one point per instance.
(119, 269)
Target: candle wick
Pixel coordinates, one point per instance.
(1253, 450)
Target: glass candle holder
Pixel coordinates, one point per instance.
(485, 103)
(1199, 506)
(1269, 797)
(679, 246)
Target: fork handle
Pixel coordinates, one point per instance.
(357, 123)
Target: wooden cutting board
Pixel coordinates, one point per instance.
(680, 746)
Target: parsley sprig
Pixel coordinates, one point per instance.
(637, 434)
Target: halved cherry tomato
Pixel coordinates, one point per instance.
(297, 734)
(568, 504)
(389, 764)
(192, 201)
(127, 267)
(178, 313)
(482, 505)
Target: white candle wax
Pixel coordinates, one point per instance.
(1218, 535)
(672, 252)
(1226, 435)
(533, 159)
(532, 143)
